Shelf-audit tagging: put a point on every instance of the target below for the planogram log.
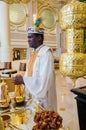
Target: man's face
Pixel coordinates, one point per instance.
(32, 40)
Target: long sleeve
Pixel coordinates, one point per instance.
(38, 85)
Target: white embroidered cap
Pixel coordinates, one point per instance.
(32, 30)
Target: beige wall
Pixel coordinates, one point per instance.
(33, 8)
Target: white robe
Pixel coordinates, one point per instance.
(42, 83)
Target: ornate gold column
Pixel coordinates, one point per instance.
(5, 49)
(73, 21)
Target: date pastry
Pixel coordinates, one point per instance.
(47, 120)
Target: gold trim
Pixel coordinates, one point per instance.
(49, 17)
(18, 40)
(15, 1)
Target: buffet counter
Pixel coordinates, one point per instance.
(18, 110)
(22, 117)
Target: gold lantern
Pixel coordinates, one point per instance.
(73, 21)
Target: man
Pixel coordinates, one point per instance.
(39, 76)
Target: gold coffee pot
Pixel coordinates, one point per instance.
(1, 123)
(4, 95)
(20, 93)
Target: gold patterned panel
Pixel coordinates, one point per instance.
(73, 64)
(17, 14)
(73, 14)
(49, 17)
(74, 40)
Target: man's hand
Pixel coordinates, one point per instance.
(18, 79)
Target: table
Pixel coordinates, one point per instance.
(2, 68)
(9, 71)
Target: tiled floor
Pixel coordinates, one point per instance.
(67, 107)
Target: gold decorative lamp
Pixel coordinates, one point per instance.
(73, 21)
